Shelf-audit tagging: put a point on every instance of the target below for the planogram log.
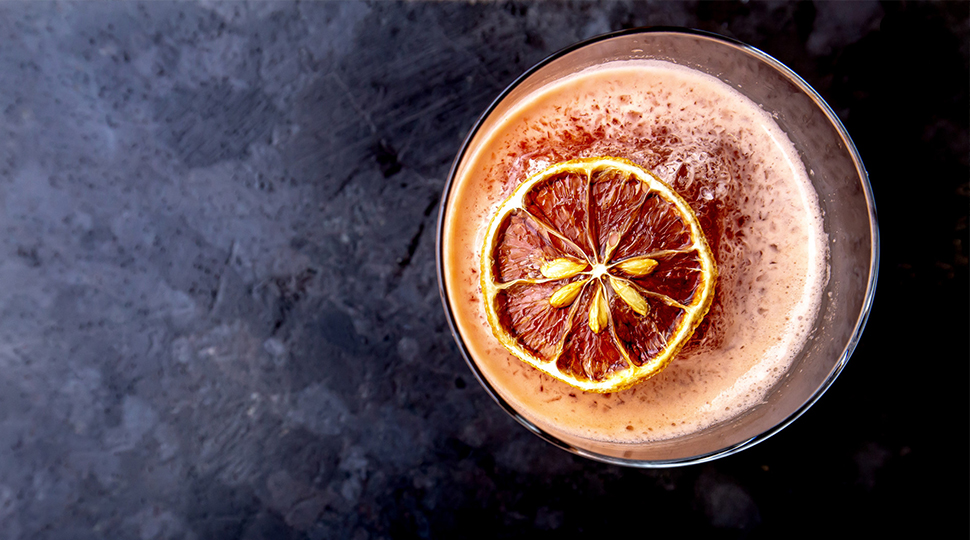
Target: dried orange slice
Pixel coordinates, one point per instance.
(596, 272)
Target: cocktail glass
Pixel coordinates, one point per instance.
(840, 180)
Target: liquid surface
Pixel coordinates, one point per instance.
(743, 179)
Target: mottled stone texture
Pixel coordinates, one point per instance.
(219, 315)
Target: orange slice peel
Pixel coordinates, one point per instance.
(596, 272)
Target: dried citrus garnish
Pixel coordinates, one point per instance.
(596, 272)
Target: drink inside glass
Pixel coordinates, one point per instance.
(774, 182)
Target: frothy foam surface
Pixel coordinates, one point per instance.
(744, 180)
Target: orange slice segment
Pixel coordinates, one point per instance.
(596, 272)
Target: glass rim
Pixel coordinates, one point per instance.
(861, 320)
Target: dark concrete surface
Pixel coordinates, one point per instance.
(218, 306)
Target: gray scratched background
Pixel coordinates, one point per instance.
(219, 315)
